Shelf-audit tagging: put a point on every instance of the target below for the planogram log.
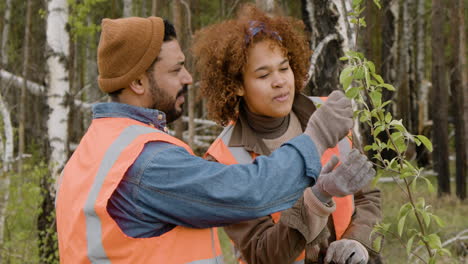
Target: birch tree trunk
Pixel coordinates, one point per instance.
(403, 86)
(5, 33)
(439, 99)
(267, 6)
(22, 105)
(456, 82)
(420, 49)
(127, 8)
(329, 39)
(58, 84)
(7, 159)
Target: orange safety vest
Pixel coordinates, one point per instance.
(238, 155)
(87, 233)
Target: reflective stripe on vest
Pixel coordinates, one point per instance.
(221, 151)
(87, 233)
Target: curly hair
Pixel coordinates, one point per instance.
(221, 52)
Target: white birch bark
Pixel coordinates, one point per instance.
(420, 67)
(344, 27)
(58, 84)
(267, 6)
(7, 159)
(5, 32)
(127, 8)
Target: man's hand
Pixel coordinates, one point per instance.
(349, 177)
(331, 122)
(347, 251)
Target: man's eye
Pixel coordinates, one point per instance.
(177, 70)
(263, 76)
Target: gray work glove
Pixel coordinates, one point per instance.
(331, 122)
(347, 251)
(350, 176)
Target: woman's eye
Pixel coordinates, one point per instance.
(263, 76)
(284, 69)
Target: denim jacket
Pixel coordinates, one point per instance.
(166, 186)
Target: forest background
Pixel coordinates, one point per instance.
(48, 81)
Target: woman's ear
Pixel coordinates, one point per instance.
(240, 91)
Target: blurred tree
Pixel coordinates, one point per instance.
(440, 98)
(456, 85)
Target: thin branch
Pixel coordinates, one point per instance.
(317, 52)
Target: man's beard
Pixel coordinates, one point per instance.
(162, 101)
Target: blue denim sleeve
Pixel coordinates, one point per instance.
(166, 186)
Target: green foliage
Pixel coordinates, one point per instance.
(78, 18)
(362, 83)
(21, 237)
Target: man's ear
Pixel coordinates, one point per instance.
(137, 85)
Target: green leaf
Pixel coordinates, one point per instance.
(432, 260)
(434, 241)
(359, 74)
(371, 66)
(367, 147)
(352, 92)
(427, 217)
(367, 75)
(409, 245)
(388, 117)
(346, 73)
(388, 86)
(377, 3)
(430, 187)
(344, 58)
(404, 210)
(397, 124)
(427, 143)
(377, 243)
(378, 130)
(376, 98)
(401, 224)
(378, 78)
(438, 220)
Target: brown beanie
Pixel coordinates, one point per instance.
(127, 48)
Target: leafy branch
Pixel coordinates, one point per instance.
(364, 85)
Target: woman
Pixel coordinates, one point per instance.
(253, 69)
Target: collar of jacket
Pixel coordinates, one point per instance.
(244, 136)
(152, 117)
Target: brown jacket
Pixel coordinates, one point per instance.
(308, 224)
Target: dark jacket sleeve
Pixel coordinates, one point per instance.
(264, 241)
(367, 213)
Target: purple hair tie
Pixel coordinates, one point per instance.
(256, 27)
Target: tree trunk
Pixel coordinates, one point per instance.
(439, 99)
(58, 90)
(403, 92)
(267, 6)
(154, 8)
(464, 74)
(456, 82)
(7, 159)
(178, 24)
(57, 124)
(421, 66)
(326, 41)
(127, 8)
(5, 33)
(22, 104)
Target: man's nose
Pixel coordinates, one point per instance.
(187, 79)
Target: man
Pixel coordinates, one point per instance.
(133, 194)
